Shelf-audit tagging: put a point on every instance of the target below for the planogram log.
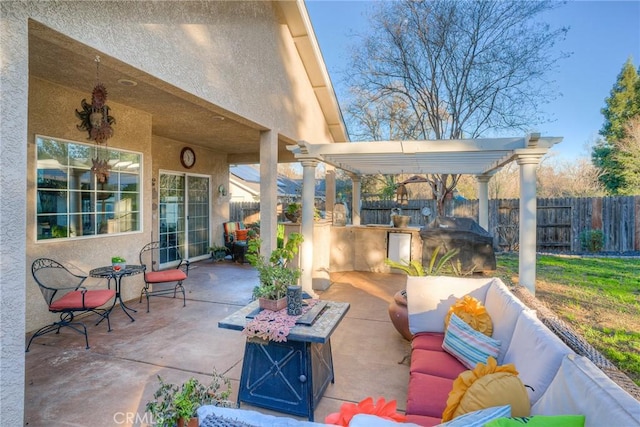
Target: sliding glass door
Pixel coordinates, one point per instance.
(183, 217)
(198, 233)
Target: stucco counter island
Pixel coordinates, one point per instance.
(365, 247)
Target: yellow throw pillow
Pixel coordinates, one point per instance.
(473, 313)
(486, 386)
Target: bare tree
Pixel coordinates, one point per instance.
(459, 69)
(577, 178)
(505, 184)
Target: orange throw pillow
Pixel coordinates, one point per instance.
(473, 313)
(382, 409)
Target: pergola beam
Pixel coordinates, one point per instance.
(472, 156)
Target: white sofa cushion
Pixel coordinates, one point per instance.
(429, 299)
(581, 388)
(536, 352)
(504, 309)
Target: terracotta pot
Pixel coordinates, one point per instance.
(193, 422)
(400, 221)
(273, 305)
(399, 314)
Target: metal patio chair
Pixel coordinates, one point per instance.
(64, 294)
(156, 280)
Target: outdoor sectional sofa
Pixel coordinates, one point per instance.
(558, 381)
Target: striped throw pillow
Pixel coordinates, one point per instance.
(467, 345)
(478, 418)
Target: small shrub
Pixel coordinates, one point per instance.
(592, 240)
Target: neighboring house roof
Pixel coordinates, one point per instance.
(248, 178)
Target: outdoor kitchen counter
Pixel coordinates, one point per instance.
(365, 247)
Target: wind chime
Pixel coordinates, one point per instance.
(95, 119)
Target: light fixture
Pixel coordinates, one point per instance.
(127, 82)
(222, 192)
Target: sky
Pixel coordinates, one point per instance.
(602, 36)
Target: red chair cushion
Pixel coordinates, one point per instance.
(230, 229)
(92, 299)
(241, 234)
(172, 275)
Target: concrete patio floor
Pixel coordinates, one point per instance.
(110, 384)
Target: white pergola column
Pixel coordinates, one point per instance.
(306, 226)
(355, 199)
(483, 200)
(268, 191)
(528, 205)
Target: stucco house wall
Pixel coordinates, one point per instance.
(237, 55)
(165, 155)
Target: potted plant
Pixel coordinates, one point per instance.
(218, 252)
(118, 263)
(178, 405)
(293, 212)
(274, 273)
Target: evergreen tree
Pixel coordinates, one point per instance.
(616, 165)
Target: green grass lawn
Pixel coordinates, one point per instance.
(598, 297)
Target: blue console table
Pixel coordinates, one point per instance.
(290, 376)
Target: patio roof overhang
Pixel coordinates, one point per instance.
(460, 156)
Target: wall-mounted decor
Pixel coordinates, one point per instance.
(187, 157)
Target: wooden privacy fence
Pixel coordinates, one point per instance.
(560, 221)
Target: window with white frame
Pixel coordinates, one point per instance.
(74, 201)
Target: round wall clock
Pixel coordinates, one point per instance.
(187, 157)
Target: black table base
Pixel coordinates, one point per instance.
(110, 274)
(289, 377)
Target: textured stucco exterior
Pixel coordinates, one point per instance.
(239, 56)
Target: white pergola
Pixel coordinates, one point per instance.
(481, 158)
